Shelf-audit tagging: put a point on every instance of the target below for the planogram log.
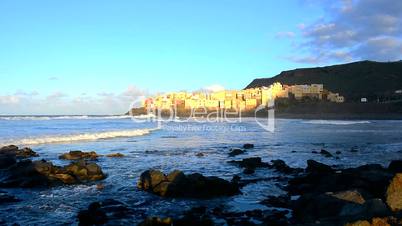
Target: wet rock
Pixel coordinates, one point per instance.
(317, 167)
(194, 217)
(248, 146)
(251, 163)
(115, 155)
(93, 216)
(283, 201)
(107, 211)
(200, 154)
(372, 179)
(326, 153)
(281, 166)
(177, 184)
(42, 173)
(234, 152)
(79, 155)
(350, 196)
(19, 153)
(338, 152)
(386, 221)
(6, 198)
(394, 193)
(314, 152)
(395, 166)
(7, 161)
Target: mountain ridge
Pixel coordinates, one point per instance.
(353, 80)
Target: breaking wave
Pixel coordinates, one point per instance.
(79, 137)
(64, 117)
(336, 122)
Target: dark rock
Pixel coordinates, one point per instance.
(79, 155)
(41, 173)
(314, 152)
(326, 153)
(200, 154)
(19, 153)
(338, 152)
(320, 179)
(313, 207)
(177, 184)
(317, 167)
(115, 155)
(195, 217)
(281, 166)
(234, 152)
(7, 161)
(107, 211)
(251, 163)
(395, 166)
(278, 201)
(248, 146)
(93, 216)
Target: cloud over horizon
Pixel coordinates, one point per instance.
(59, 103)
(352, 30)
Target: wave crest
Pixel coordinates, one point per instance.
(336, 122)
(79, 137)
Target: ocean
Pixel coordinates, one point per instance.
(174, 145)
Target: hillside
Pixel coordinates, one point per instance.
(353, 80)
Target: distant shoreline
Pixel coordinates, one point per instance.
(314, 110)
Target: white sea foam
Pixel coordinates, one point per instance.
(64, 117)
(336, 122)
(78, 137)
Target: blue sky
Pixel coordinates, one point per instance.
(71, 52)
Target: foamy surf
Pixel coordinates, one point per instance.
(64, 117)
(79, 137)
(336, 122)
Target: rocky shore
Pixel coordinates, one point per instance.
(317, 195)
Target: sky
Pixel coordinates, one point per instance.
(97, 56)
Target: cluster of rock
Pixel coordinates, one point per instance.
(29, 173)
(177, 184)
(364, 195)
(17, 170)
(251, 164)
(80, 155)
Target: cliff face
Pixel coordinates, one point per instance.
(354, 80)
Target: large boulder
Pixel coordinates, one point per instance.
(79, 155)
(177, 184)
(394, 193)
(42, 173)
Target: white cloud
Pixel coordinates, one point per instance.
(214, 88)
(62, 103)
(9, 99)
(352, 30)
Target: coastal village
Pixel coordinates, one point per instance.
(242, 100)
